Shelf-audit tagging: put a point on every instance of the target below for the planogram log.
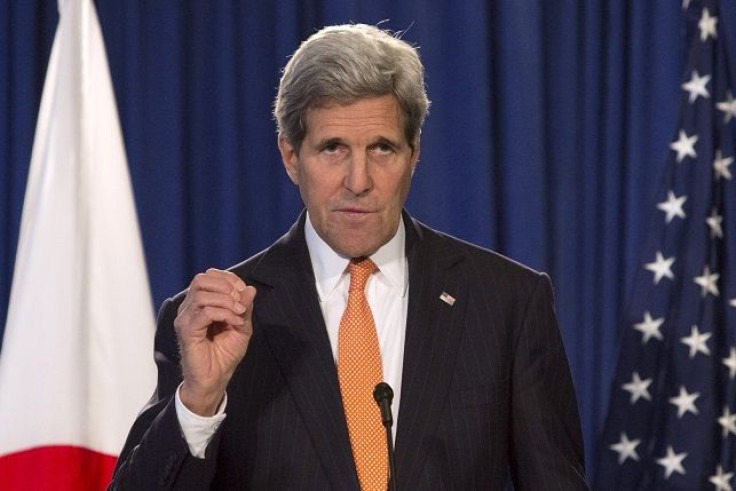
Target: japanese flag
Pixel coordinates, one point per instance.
(76, 362)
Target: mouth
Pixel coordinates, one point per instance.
(354, 212)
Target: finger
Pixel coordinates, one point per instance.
(200, 320)
(212, 282)
(228, 276)
(248, 295)
(216, 281)
(200, 299)
(247, 298)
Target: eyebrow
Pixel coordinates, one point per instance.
(329, 141)
(383, 139)
(340, 141)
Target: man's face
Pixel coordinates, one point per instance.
(353, 171)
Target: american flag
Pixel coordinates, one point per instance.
(672, 416)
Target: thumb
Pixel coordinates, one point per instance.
(247, 297)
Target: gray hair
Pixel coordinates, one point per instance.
(341, 64)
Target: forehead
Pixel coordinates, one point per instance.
(364, 117)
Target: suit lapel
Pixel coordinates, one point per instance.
(433, 334)
(289, 317)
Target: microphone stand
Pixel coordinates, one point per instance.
(383, 394)
(391, 460)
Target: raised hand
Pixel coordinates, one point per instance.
(214, 326)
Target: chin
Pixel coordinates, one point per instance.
(356, 240)
(353, 249)
(354, 252)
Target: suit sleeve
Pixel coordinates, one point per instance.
(546, 439)
(156, 455)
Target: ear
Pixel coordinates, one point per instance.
(290, 159)
(415, 155)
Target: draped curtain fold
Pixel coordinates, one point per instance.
(548, 131)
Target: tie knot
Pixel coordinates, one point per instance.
(360, 271)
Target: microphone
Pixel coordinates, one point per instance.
(384, 395)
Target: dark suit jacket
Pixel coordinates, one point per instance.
(486, 389)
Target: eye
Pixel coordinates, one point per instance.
(382, 148)
(332, 148)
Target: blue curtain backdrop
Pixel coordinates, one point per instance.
(549, 128)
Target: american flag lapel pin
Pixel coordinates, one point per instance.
(447, 298)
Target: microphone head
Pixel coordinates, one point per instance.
(382, 392)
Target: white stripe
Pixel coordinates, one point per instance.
(76, 362)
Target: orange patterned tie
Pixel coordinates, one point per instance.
(359, 370)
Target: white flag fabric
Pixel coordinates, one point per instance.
(76, 363)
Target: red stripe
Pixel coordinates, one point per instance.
(57, 468)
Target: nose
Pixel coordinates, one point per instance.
(358, 179)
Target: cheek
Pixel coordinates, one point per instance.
(316, 190)
(401, 190)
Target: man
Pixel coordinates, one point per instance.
(273, 391)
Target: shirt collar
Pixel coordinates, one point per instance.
(329, 266)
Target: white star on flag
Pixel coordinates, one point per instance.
(684, 146)
(720, 166)
(638, 388)
(672, 462)
(697, 342)
(728, 422)
(707, 26)
(685, 402)
(678, 326)
(721, 480)
(696, 86)
(714, 222)
(673, 206)
(649, 328)
(707, 282)
(728, 107)
(730, 362)
(661, 267)
(625, 448)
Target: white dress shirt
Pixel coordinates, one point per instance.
(387, 294)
